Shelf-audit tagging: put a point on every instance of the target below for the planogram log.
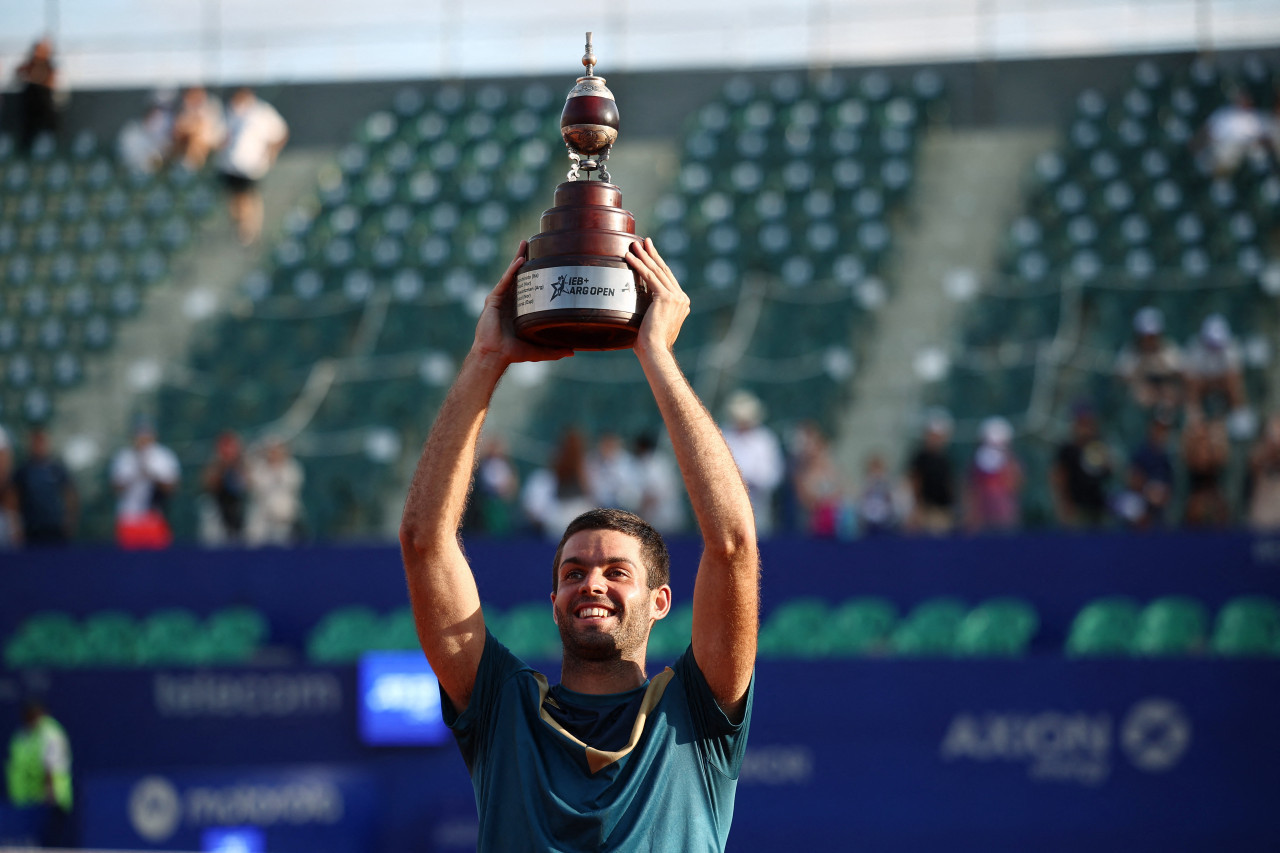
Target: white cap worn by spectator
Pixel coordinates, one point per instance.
(1148, 321)
(1215, 331)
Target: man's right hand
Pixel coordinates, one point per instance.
(496, 343)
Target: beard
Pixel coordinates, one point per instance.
(628, 634)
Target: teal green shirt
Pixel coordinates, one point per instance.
(538, 787)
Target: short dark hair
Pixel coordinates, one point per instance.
(657, 562)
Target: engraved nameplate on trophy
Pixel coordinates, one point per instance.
(576, 289)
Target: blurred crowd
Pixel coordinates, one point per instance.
(1191, 401)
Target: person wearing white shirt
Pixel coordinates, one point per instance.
(758, 453)
(145, 475)
(256, 134)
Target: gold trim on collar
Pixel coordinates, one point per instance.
(598, 758)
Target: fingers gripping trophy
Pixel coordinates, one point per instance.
(576, 290)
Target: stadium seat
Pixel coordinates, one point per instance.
(1000, 627)
(1104, 628)
(861, 626)
(1170, 626)
(930, 628)
(530, 633)
(110, 639)
(796, 628)
(343, 635)
(1248, 626)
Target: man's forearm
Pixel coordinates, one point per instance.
(438, 493)
(716, 490)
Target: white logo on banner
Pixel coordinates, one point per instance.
(154, 808)
(1155, 734)
(1071, 746)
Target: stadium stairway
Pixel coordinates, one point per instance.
(94, 419)
(969, 186)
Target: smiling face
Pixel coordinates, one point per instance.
(602, 603)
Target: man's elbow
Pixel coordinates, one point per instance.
(736, 545)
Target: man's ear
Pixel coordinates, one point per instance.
(661, 602)
(554, 616)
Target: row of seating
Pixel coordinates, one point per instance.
(167, 637)
(802, 628)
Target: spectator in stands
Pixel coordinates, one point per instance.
(37, 79)
(145, 475)
(38, 772)
(10, 521)
(611, 474)
(993, 494)
(932, 478)
(497, 486)
(879, 509)
(143, 143)
(1264, 479)
(819, 488)
(554, 496)
(47, 496)
(1215, 379)
(1081, 473)
(658, 486)
(758, 454)
(1151, 475)
(198, 128)
(1233, 132)
(226, 491)
(255, 136)
(275, 496)
(1205, 452)
(1152, 365)
(1130, 506)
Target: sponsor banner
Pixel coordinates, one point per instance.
(302, 808)
(571, 287)
(1012, 755)
(400, 701)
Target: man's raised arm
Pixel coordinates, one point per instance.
(446, 604)
(726, 595)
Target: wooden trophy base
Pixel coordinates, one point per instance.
(576, 290)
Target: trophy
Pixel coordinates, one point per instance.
(576, 289)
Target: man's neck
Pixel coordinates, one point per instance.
(597, 677)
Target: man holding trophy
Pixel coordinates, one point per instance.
(610, 758)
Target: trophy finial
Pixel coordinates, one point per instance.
(589, 122)
(589, 58)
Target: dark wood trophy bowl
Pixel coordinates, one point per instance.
(576, 289)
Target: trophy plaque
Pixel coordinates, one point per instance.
(576, 289)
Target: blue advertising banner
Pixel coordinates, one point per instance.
(292, 809)
(399, 701)
(294, 588)
(894, 755)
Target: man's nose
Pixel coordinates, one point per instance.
(596, 582)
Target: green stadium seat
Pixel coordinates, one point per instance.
(530, 633)
(169, 636)
(344, 634)
(1170, 626)
(796, 628)
(110, 639)
(861, 626)
(1104, 628)
(1247, 626)
(398, 631)
(930, 628)
(1000, 627)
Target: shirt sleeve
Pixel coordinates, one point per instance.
(721, 742)
(470, 729)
